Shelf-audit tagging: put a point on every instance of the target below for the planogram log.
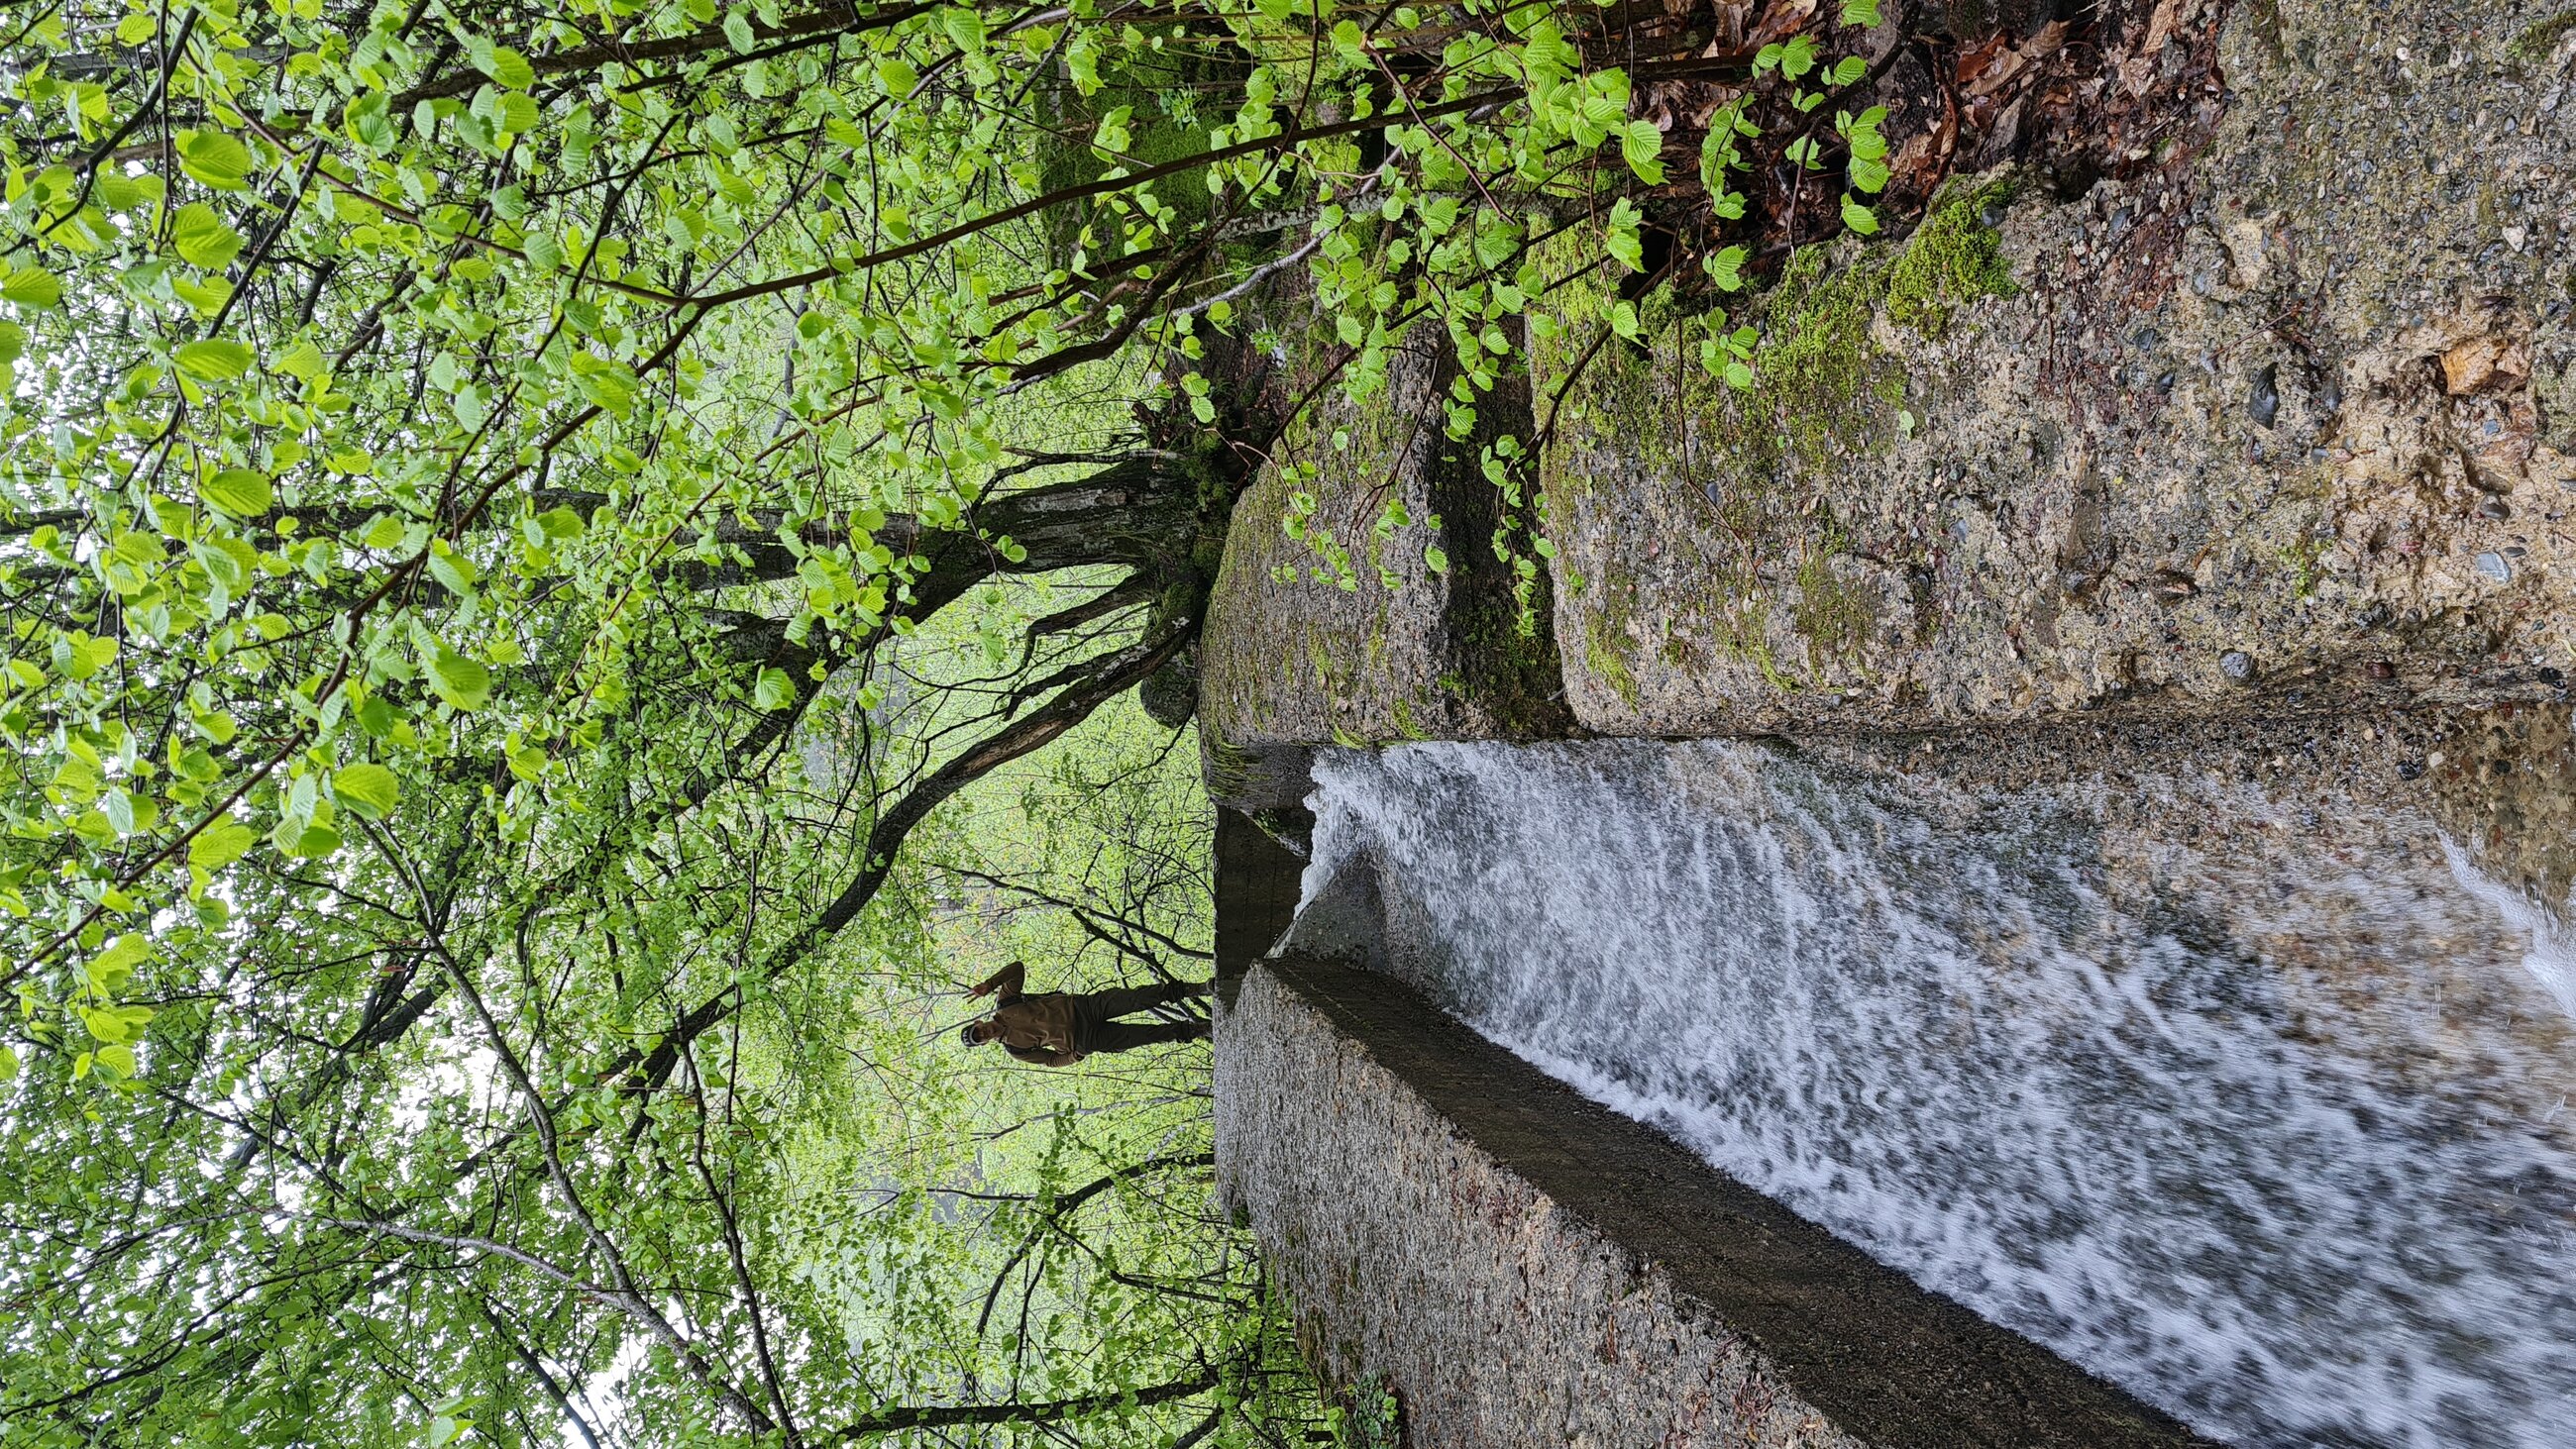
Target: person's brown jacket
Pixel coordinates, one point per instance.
(1036, 1029)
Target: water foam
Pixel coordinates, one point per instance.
(2292, 1210)
(2552, 957)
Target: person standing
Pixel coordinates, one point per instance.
(1060, 1028)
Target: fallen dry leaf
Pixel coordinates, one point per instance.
(2484, 364)
(1999, 73)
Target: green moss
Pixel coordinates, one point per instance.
(1142, 80)
(1761, 654)
(1952, 259)
(2301, 559)
(1825, 389)
(2540, 39)
(1817, 359)
(1833, 619)
(1404, 725)
(1816, 350)
(1601, 654)
(1605, 636)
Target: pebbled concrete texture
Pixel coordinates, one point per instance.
(2285, 416)
(1525, 1267)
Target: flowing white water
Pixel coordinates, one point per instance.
(2295, 1196)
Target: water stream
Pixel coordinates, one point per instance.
(2251, 1100)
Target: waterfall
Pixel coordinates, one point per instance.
(2257, 1113)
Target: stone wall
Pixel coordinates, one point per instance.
(1526, 1268)
(1324, 628)
(2283, 416)
(2284, 419)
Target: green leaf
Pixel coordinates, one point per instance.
(608, 384)
(221, 844)
(1351, 44)
(215, 159)
(1434, 559)
(452, 568)
(108, 971)
(1640, 144)
(205, 298)
(775, 690)
(131, 814)
(1858, 217)
(301, 360)
(519, 114)
(462, 682)
(1860, 12)
(201, 238)
(368, 119)
(8, 1064)
(368, 790)
(507, 68)
(1623, 241)
(239, 492)
(737, 29)
(119, 1056)
(29, 287)
(213, 359)
(89, 656)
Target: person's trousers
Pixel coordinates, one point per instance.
(1095, 1032)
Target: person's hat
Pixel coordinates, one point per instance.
(967, 1034)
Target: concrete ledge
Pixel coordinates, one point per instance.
(1526, 1267)
(1256, 885)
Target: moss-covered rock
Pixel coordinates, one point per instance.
(2283, 413)
(1360, 601)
